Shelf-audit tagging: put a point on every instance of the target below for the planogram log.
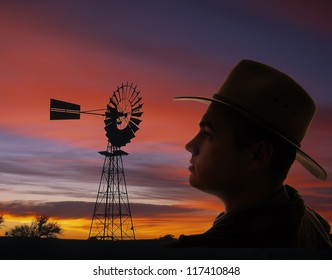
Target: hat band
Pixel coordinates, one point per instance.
(255, 118)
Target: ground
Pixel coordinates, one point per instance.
(63, 249)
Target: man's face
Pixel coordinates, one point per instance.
(217, 167)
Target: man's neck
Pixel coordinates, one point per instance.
(250, 197)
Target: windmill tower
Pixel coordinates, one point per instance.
(112, 219)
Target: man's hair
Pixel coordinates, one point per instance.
(247, 132)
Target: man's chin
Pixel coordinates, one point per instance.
(203, 187)
(196, 184)
(192, 180)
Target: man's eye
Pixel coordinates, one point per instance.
(206, 135)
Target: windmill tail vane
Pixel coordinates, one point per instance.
(62, 110)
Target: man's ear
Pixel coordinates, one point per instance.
(260, 155)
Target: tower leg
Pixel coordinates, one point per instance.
(111, 218)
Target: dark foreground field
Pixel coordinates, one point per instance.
(63, 249)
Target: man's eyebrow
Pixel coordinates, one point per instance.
(208, 124)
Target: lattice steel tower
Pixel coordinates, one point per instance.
(111, 218)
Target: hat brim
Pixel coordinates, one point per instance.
(303, 158)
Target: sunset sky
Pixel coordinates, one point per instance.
(80, 51)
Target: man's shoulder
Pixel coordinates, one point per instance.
(267, 225)
(319, 218)
(273, 225)
(314, 231)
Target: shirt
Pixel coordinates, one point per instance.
(280, 221)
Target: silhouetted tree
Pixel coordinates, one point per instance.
(1, 220)
(167, 237)
(39, 228)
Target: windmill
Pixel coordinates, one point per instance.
(112, 219)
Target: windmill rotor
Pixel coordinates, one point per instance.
(123, 115)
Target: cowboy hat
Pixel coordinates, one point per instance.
(271, 99)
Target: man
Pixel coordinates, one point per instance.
(248, 139)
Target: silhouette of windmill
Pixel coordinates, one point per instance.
(112, 219)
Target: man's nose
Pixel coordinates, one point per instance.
(192, 146)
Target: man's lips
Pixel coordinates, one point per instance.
(192, 166)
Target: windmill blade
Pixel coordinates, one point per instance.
(115, 96)
(133, 127)
(108, 135)
(133, 92)
(138, 114)
(111, 112)
(111, 101)
(137, 108)
(137, 101)
(128, 89)
(119, 138)
(61, 110)
(135, 121)
(134, 95)
(108, 122)
(133, 87)
(122, 91)
(109, 108)
(127, 133)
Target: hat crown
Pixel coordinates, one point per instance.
(271, 96)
